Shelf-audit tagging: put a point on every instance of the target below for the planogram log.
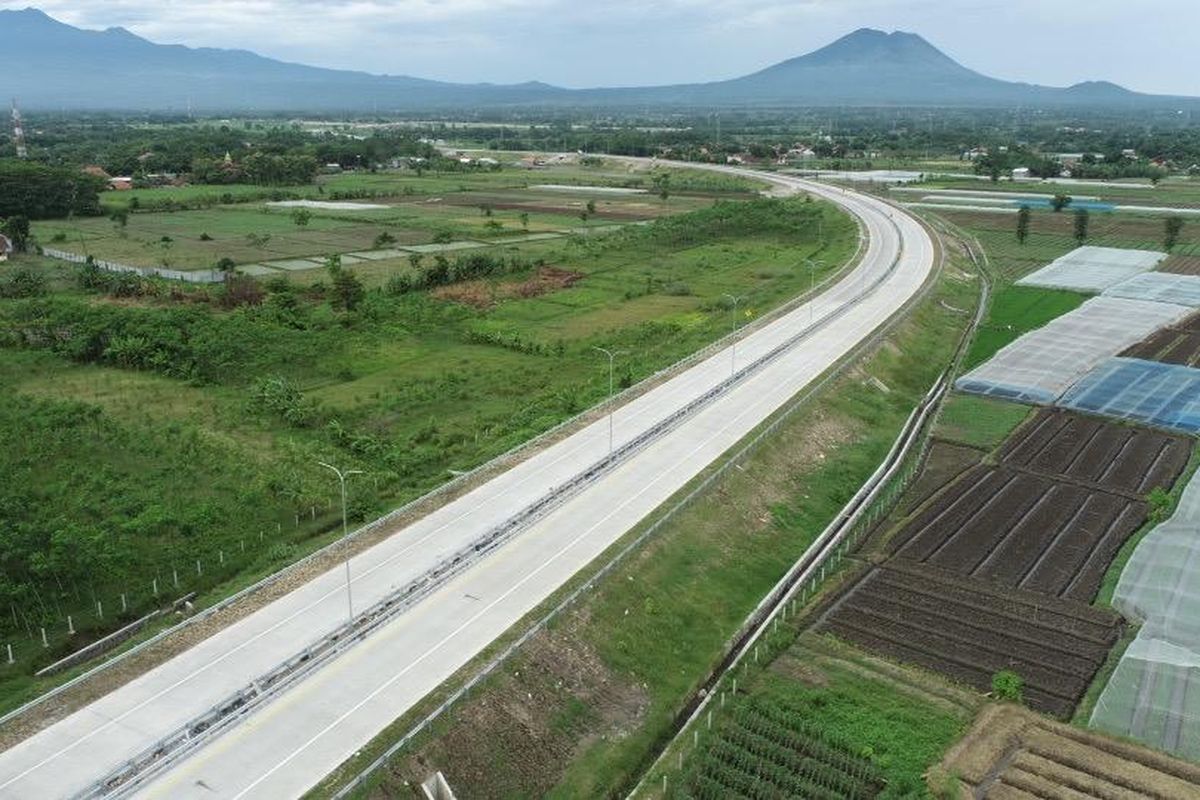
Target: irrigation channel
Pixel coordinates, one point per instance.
(199, 730)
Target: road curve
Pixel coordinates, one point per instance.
(291, 743)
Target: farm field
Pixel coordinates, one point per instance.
(1014, 311)
(853, 724)
(1011, 754)
(1051, 515)
(193, 228)
(1177, 192)
(1178, 344)
(1181, 265)
(968, 630)
(996, 571)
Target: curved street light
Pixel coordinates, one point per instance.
(342, 480)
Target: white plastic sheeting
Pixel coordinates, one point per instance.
(1154, 694)
(1161, 287)
(1093, 269)
(1042, 364)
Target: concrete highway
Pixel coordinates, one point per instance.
(296, 739)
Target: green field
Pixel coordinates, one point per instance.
(981, 422)
(820, 723)
(195, 428)
(197, 226)
(609, 677)
(1016, 310)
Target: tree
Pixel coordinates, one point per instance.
(16, 228)
(524, 217)
(301, 216)
(348, 290)
(120, 217)
(662, 182)
(591, 207)
(1172, 226)
(1023, 224)
(226, 265)
(1060, 201)
(1081, 225)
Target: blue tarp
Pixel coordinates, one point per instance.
(1161, 395)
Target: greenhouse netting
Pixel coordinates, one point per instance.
(1042, 364)
(1161, 287)
(1154, 693)
(1093, 269)
(1162, 395)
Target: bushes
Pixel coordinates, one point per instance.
(444, 272)
(283, 398)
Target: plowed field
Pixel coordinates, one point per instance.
(969, 630)
(1178, 344)
(1052, 514)
(996, 572)
(1011, 754)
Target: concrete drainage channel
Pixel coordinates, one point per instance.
(187, 738)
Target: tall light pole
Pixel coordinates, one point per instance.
(342, 480)
(611, 410)
(812, 287)
(733, 329)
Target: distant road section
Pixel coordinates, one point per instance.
(293, 741)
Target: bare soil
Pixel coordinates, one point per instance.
(1052, 515)
(484, 295)
(1013, 753)
(969, 630)
(1178, 344)
(1181, 265)
(518, 737)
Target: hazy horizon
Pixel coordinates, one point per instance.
(669, 41)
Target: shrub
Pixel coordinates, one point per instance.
(1161, 504)
(1008, 686)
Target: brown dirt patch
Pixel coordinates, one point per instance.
(1012, 752)
(484, 295)
(517, 737)
(1181, 265)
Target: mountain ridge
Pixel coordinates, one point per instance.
(55, 65)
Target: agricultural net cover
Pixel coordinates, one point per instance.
(1163, 395)
(1154, 694)
(1039, 366)
(1161, 287)
(1093, 269)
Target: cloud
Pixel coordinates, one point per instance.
(623, 42)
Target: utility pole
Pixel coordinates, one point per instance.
(342, 480)
(18, 132)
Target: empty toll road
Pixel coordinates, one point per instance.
(300, 736)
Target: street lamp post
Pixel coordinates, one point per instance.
(812, 287)
(733, 329)
(611, 410)
(342, 480)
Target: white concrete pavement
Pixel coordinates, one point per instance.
(299, 737)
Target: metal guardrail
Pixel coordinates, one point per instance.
(799, 401)
(831, 545)
(449, 487)
(242, 702)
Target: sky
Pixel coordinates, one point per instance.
(1148, 46)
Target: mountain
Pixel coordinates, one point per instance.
(49, 64)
